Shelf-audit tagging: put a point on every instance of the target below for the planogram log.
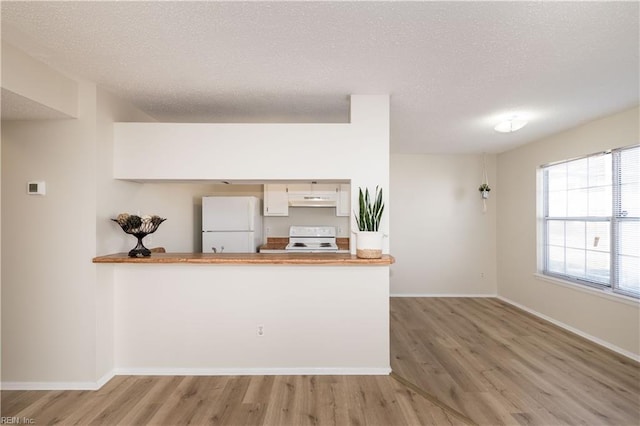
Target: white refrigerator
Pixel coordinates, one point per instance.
(231, 224)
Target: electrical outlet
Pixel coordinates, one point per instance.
(260, 330)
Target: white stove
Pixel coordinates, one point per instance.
(312, 239)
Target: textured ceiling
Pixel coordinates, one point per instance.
(451, 68)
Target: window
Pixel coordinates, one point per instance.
(592, 220)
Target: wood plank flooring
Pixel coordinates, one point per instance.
(491, 362)
(499, 365)
(238, 400)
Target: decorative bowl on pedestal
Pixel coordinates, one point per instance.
(139, 227)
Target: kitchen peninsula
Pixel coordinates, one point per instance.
(226, 314)
(249, 314)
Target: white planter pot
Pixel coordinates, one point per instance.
(485, 195)
(369, 244)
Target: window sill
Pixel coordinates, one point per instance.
(606, 294)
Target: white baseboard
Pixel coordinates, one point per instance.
(51, 385)
(58, 385)
(310, 371)
(105, 379)
(580, 333)
(442, 295)
(194, 372)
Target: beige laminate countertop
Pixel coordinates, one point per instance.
(247, 259)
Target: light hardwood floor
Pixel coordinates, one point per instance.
(485, 359)
(499, 365)
(245, 400)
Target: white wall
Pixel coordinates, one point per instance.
(611, 320)
(443, 242)
(111, 196)
(57, 316)
(202, 319)
(48, 280)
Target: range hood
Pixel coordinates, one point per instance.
(301, 200)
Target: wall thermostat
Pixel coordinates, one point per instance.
(36, 188)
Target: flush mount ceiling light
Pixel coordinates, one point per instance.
(511, 124)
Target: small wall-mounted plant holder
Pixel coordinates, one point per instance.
(484, 190)
(484, 187)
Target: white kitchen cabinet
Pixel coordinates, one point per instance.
(343, 204)
(276, 200)
(323, 188)
(299, 188)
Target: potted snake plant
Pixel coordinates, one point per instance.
(369, 237)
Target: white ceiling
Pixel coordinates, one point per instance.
(451, 68)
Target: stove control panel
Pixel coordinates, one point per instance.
(312, 231)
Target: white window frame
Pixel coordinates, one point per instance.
(542, 196)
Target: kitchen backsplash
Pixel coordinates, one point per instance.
(276, 226)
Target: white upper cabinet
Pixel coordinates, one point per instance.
(298, 188)
(343, 205)
(276, 200)
(324, 188)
